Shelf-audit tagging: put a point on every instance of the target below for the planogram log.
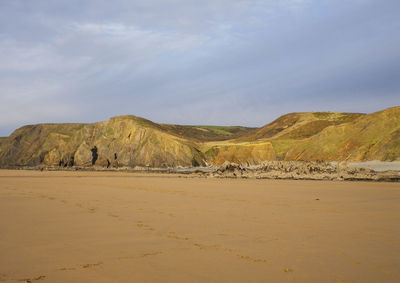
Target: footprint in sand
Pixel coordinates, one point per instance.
(141, 225)
(251, 259)
(203, 247)
(229, 250)
(172, 235)
(90, 265)
(30, 280)
(67, 268)
(86, 265)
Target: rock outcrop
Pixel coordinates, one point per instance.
(302, 170)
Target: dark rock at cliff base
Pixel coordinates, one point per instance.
(302, 170)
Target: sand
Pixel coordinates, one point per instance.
(124, 227)
(378, 166)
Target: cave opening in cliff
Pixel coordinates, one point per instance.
(94, 155)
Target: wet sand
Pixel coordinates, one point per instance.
(378, 166)
(124, 227)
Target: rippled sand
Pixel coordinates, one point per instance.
(116, 227)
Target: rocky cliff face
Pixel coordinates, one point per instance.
(133, 141)
(121, 141)
(241, 153)
(52, 144)
(127, 141)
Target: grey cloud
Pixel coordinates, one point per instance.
(195, 62)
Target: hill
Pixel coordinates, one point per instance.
(299, 125)
(121, 141)
(134, 141)
(272, 141)
(372, 137)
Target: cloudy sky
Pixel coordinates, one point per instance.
(228, 62)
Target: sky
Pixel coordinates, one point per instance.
(208, 62)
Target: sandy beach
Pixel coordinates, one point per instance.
(125, 227)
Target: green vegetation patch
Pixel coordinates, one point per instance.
(322, 115)
(228, 131)
(281, 146)
(212, 153)
(206, 133)
(335, 116)
(308, 130)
